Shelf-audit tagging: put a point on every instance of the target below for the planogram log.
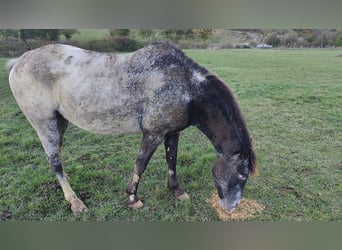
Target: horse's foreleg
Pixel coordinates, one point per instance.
(171, 147)
(149, 144)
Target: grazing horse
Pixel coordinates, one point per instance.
(156, 90)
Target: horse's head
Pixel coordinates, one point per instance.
(230, 175)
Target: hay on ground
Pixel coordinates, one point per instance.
(247, 209)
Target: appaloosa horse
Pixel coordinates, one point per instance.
(156, 90)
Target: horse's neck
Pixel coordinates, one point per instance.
(219, 130)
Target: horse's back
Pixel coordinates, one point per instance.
(101, 92)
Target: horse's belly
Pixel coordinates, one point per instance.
(109, 126)
(104, 122)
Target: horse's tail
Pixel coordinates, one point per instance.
(10, 64)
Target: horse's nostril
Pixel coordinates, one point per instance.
(231, 210)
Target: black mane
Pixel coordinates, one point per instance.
(217, 90)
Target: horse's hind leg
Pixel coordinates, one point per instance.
(51, 132)
(171, 147)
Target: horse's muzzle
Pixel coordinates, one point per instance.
(229, 206)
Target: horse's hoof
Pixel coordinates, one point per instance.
(180, 194)
(78, 207)
(136, 205)
(183, 197)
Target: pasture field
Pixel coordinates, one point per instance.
(292, 101)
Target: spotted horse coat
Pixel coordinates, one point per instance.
(156, 90)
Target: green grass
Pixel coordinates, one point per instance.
(292, 101)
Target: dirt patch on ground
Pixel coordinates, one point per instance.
(247, 209)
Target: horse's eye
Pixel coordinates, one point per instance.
(242, 177)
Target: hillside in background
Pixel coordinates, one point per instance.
(228, 38)
(16, 42)
(284, 38)
(223, 38)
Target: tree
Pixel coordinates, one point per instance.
(9, 33)
(338, 40)
(177, 34)
(26, 34)
(146, 34)
(189, 33)
(40, 34)
(204, 34)
(291, 39)
(168, 34)
(171, 34)
(52, 34)
(272, 39)
(68, 33)
(119, 32)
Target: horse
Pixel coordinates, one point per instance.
(156, 90)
